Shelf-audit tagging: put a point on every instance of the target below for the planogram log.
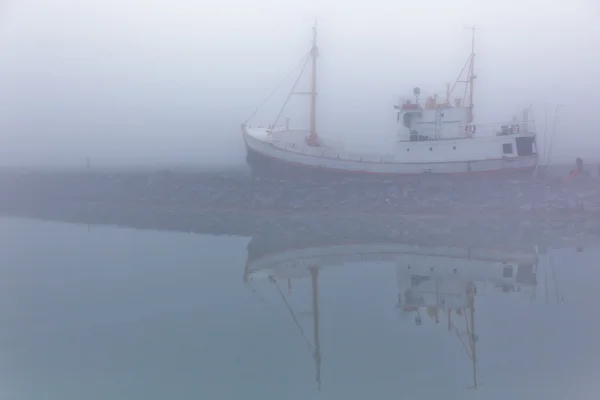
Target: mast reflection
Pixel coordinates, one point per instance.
(439, 282)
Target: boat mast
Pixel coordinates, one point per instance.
(314, 272)
(473, 341)
(312, 138)
(472, 75)
(469, 79)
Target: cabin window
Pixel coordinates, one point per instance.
(525, 145)
(406, 119)
(507, 272)
(407, 149)
(453, 147)
(431, 149)
(507, 148)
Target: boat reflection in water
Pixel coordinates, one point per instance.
(437, 282)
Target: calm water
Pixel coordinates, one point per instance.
(112, 313)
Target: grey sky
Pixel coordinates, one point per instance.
(134, 81)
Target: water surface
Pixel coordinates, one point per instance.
(113, 313)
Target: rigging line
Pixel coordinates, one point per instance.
(277, 88)
(546, 277)
(262, 300)
(293, 88)
(471, 339)
(553, 133)
(268, 305)
(467, 85)
(464, 346)
(294, 317)
(460, 75)
(545, 131)
(551, 259)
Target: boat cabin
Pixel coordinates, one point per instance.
(433, 121)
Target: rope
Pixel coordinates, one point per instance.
(551, 260)
(467, 85)
(262, 300)
(464, 346)
(293, 88)
(270, 307)
(460, 75)
(558, 106)
(471, 343)
(294, 317)
(278, 86)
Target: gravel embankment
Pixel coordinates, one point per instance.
(439, 211)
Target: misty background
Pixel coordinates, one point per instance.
(133, 82)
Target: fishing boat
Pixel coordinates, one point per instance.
(432, 136)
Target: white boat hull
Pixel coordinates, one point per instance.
(297, 263)
(268, 153)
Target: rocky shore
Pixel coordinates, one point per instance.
(277, 231)
(430, 195)
(457, 212)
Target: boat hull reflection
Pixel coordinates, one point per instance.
(478, 263)
(438, 281)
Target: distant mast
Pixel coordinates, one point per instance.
(314, 273)
(472, 75)
(468, 81)
(312, 138)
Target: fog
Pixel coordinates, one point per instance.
(133, 82)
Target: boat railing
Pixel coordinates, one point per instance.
(473, 131)
(273, 128)
(335, 150)
(335, 154)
